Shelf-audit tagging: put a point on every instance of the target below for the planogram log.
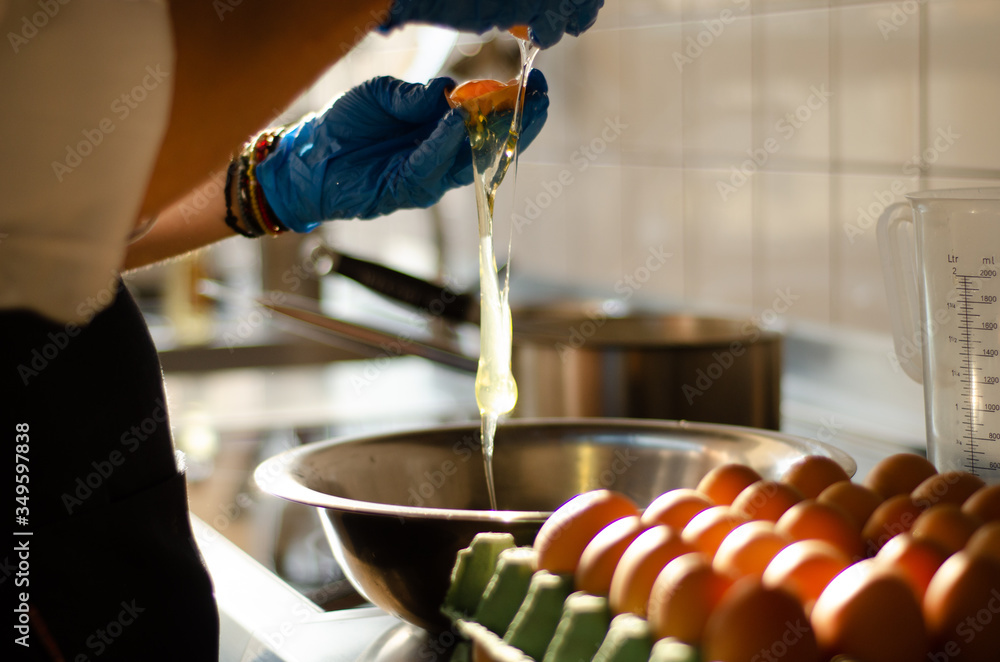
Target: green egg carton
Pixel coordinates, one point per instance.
(510, 612)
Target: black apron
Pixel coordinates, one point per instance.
(114, 571)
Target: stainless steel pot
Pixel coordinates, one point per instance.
(397, 507)
(648, 366)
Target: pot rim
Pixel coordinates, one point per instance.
(646, 330)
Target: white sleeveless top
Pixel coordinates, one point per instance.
(85, 94)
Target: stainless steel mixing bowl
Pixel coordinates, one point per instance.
(397, 507)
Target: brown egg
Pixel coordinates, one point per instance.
(858, 501)
(984, 504)
(985, 541)
(870, 613)
(566, 532)
(804, 569)
(899, 474)
(950, 487)
(766, 499)
(811, 520)
(707, 529)
(601, 555)
(748, 548)
(946, 525)
(639, 565)
(895, 515)
(915, 560)
(675, 508)
(812, 474)
(962, 610)
(725, 482)
(684, 595)
(753, 622)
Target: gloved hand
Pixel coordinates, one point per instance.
(548, 19)
(384, 145)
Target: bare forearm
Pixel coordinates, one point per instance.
(236, 70)
(193, 222)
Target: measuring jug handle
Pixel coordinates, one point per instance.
(899, 269)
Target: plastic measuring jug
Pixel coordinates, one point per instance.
(941, 256)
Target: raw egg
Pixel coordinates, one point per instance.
(984, 504)
(899, 474)
(950, 487)
(484, 96)
(870, 613)
(766, 499)
(521, 32)
(915, 560)
(748, 548)
(895, 515)
(569, 529)
(602, 553)
(985, 541)
(946, 525)
(962, 609)
(753, 622)
(725, 482)
(675, 508)
(812, 474)
(707, 529)
(641, 562)
(858, 501)
(684, 595)
(811, 520)
(804, 568)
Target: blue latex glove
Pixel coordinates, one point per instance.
(383, 146)
(548, 19)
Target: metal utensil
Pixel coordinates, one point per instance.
(397, 507)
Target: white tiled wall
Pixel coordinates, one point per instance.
(752, 136)
(835, 100)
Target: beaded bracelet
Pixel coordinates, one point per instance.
(231, 218)
(251, 216)
(263, 145)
